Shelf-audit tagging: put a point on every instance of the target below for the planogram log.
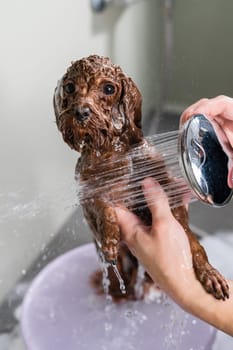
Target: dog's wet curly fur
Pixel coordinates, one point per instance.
(98, 112)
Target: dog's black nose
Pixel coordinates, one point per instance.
(82, 113)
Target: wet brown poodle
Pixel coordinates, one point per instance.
(98, 111)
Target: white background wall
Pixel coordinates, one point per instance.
(38, 40)
(203, 51)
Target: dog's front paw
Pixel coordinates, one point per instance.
(110, 252)
(213, 282)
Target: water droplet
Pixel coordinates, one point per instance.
(155, 295)
(81, 145)
(138, 288)
(120, 279)
(107, 326)
(128, 313)
(109, 298)
(104, 267)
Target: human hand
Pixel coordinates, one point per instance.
(163, 249)
(219, 111)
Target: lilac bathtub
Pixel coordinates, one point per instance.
(62, 312)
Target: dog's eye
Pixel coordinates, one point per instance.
(109, 89)
(69, 88)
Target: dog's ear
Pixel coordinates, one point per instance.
(59, 102)
(56, 106)
(131, 100)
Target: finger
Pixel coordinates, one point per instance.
(219, 108)
(131, 227)
(156, 200)
(200, 106)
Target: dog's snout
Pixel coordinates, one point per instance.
(82, 113)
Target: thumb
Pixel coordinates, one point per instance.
(156, 200)
(132, 230)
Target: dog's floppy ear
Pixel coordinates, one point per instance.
(132, 102)
(57, 102)
(55, 106)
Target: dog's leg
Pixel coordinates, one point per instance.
(213, 282)
(102, 220)
(109, 230)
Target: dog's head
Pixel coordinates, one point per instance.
(97, 106)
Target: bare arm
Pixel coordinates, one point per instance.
(165, 253)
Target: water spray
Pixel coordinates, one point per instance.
(192, 158)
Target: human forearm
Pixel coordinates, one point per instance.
(218, 313)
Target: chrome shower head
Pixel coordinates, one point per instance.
(203, 161)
